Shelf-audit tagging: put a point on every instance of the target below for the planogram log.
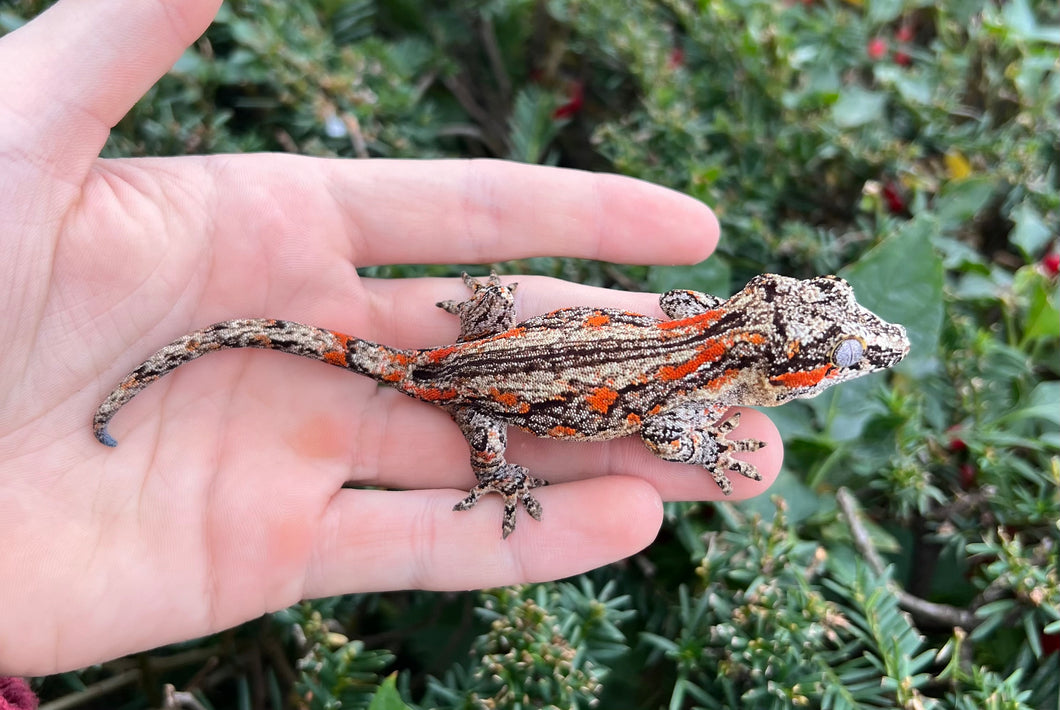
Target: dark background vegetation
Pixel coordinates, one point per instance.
(908, 555)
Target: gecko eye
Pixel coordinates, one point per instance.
(848, 352)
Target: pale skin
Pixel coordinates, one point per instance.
(224, 499)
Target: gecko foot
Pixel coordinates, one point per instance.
(726, 462)
(513, 483)
(681, 435)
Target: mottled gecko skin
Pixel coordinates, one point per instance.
(591, 374)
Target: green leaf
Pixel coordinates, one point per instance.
(1043, 318)
(1033, 638)
(531, 127)
(1020, 21)
(1042, 405)
(856, 107)
(901, 280)
(883, 11)
(960, 200)
(915, 90)
(387, 696)
(1031, 234)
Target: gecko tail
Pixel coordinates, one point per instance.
(103, 436)
(376, 361)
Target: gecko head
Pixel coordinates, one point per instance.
(821, 335)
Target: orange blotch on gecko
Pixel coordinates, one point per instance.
(509, 400)
(699, 322)
(711, 351)
(804, 378)
(441, 353)
(723, 379)
(335, 357)
(597, 319)
(601, 399)
(433, 394)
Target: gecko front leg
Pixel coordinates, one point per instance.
(488, 438)
(695, 433)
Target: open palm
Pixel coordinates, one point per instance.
(224, 499)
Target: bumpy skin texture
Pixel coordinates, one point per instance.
(593, 373)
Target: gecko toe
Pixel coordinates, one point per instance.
(531, 505)
(723, 481)
(745, 469)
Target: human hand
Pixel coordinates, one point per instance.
(224, 499)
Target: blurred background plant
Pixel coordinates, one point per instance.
(908, 555)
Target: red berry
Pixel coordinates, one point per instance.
(575, 101)
(967, 475)
(1051, 263)
(876, 49)
(904, 33)
(903, 59)
(956, 444)
(893, 196)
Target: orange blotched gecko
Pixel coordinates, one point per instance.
(591, 374)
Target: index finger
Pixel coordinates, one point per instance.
(467, 211)
(488, 210)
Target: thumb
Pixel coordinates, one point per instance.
(70, 74)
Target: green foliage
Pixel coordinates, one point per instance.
(334, 672)
(763, 631)
(912, 148)
(546, 646)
